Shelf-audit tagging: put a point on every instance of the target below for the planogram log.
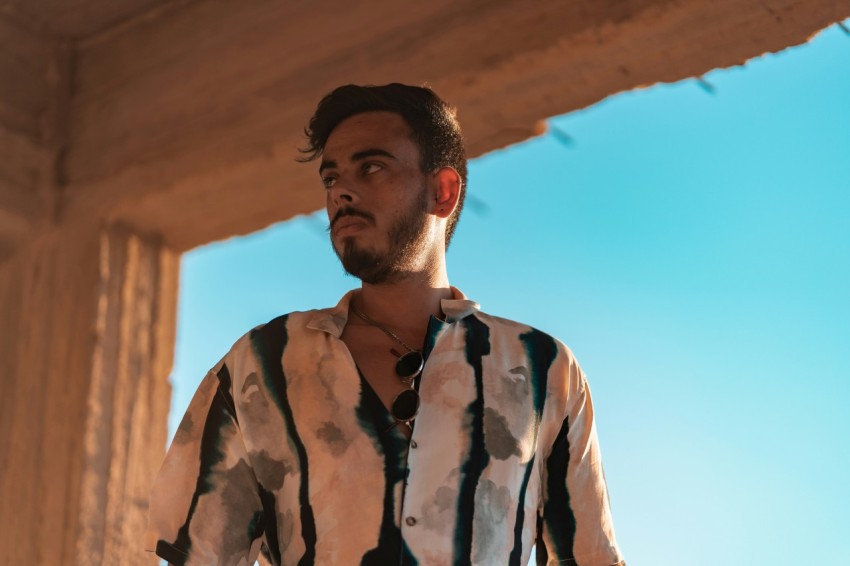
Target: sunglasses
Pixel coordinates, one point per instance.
(405, 405)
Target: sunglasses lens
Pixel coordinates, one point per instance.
(406, 405)
(409, 365)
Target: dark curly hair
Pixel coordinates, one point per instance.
(434, 124)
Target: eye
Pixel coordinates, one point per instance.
(369, 168)
(328, 181)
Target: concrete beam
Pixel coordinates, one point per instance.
(189, 125)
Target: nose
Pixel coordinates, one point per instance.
(342, 193)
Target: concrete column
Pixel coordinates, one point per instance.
(129, 395)
(87, 340)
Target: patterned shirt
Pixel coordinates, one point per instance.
(287, 449)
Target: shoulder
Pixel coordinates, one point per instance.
(266, 341)
(542, 354)
(536, 340)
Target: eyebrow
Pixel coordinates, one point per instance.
(359, 156)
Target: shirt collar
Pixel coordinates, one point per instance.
(333, 320)
(458, 307)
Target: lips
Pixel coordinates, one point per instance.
(348, 224)
(350, 220)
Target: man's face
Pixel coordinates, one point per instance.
(377, 197)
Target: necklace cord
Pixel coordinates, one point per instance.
(384, 329)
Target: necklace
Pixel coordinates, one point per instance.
(408, 365)
(405, 406)
(386, 330)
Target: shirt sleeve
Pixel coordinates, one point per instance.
(575, 525)
(205, 506)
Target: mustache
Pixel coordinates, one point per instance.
(350, 211)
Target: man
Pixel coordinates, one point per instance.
(404, 425)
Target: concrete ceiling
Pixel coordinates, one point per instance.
(75, 19)
(182, 118)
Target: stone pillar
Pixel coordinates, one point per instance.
(88, 318)
(129, 395)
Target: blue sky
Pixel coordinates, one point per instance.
(693, 249)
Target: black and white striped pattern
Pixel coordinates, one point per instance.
(283, 449)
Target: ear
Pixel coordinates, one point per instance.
(446, 191)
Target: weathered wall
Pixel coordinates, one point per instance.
(47, 297)
(34, 95)
(47, 286)
(73, 19)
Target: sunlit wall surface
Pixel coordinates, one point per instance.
(691, 243)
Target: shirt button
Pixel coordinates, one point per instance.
(410, 521)
(413, 444)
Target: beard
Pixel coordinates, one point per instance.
(406, 238)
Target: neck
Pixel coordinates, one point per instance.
(407, 304)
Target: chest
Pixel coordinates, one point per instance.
(376, 362)
(471, 393)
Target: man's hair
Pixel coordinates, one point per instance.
(434, 124)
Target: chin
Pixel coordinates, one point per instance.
(348, 245)
(365, 264)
